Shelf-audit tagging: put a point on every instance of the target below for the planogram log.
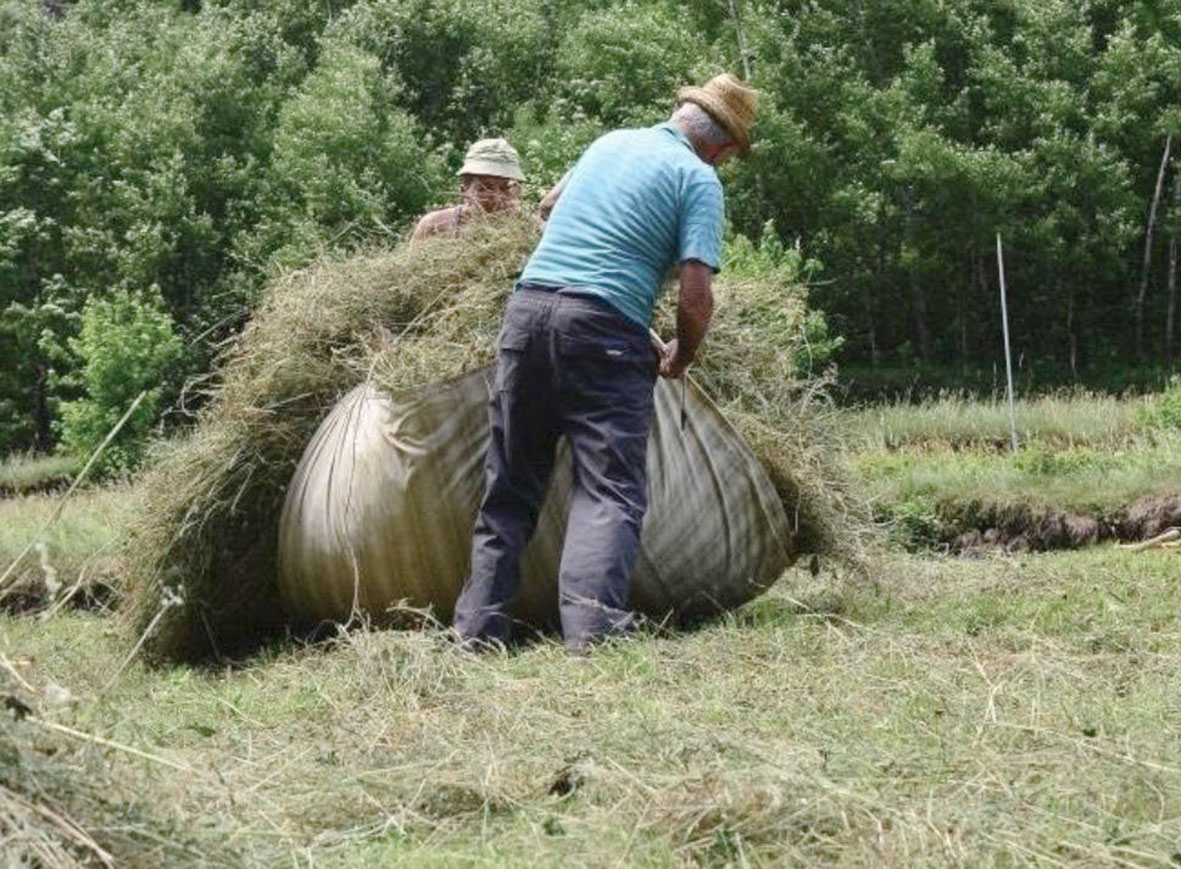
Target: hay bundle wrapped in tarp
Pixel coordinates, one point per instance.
(202, 560)
(381, 510)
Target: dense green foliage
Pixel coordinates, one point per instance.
(125, 345)
(199, 147)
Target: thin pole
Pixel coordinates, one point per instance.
(1000, 264)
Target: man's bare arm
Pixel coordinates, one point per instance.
(694, 309)
(434, 223)
(550, 200)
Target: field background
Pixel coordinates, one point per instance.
(163, 161)
(1007, 708)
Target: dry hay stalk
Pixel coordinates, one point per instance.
(411, 316)
(70, 802)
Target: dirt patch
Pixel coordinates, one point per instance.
(975, 527)
(1150, 516)
(1024, 528)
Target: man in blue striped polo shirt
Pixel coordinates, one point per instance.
(574, 357)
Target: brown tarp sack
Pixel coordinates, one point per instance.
(380, 510)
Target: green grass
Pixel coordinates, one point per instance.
(1061, 420)
(942, 467)
(1080, 478)
(83, 538)
(27, 472)
(992, 713)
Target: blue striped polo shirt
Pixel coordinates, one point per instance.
(635, 203)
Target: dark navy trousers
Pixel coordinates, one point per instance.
(567, 365)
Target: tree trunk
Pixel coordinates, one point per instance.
(1141, 354)
(869, 299)
(875, 354)
(740, 33)
(42, 421)
(918, 300)
(965, 303)
(1171, 312)
(1071, 331)
(918, 304)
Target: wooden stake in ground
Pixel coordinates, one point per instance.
(1000, 264)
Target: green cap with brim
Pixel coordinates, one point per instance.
(492, 157)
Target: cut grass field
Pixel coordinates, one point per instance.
(993, 713)
(1008, 710)
(82, 542)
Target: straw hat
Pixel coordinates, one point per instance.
(730, 102)
(492, 157)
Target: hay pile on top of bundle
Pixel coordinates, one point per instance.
(202, 557)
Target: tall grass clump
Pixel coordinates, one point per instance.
(1067, 418)
(23, 472)
(202, 559)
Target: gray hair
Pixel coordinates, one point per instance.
(699, 125)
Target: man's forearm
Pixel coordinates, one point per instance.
(694, 309)
(550, 200)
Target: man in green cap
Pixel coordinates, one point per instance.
(490, 182)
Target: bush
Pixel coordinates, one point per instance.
(776, 273)
(125, 347)
(1165, 411)
(915, 524)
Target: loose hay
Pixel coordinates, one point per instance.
(202, 557)
(62, 806)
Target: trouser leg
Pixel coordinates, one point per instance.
(608, 433)
(517, 469)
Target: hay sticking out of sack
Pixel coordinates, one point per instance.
(203, 556)
(757, 366)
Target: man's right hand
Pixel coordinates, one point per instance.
(672, 362)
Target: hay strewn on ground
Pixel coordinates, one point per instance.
(202, 558)
(62, 806)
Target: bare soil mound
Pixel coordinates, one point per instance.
(969, 528)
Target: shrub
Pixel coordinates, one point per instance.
(1165, 411)
(916, 524)
(125, 347)
(776, 273)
